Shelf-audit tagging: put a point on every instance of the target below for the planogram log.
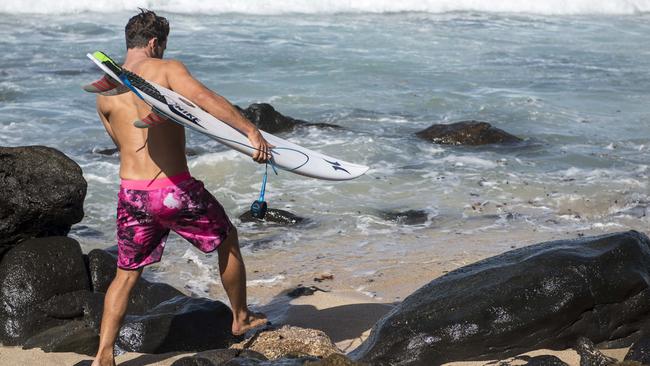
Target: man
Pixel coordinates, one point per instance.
(157, 192)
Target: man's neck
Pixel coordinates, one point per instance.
(135, 55)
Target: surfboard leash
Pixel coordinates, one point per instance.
(259, 206)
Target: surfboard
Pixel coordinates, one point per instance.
(167, 104)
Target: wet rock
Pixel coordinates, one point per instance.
(266, 118)
(540, 296)
(32, 275)
(640, 351)
(410, 217)
(525, 360)
(642, 209)
(467, 133)
(113, 151)
(290, 341)
(322, 125)
(218, 357)
(145, 295)
(42, 194)
(303, 291)
(179, 324)
(590, 355)
(74, 336)
(545, 360)
(275, 216)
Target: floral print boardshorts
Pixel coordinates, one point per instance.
(148, 210)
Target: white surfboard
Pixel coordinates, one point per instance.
(168, 104)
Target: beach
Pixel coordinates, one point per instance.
(569, 79)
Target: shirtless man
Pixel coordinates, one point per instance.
(157, 192)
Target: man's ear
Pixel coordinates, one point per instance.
(153, 42)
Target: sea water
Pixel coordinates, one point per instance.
(572, 78)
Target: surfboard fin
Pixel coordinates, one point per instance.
(152, 119)
(106, 85)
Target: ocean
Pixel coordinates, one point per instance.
(572, 78)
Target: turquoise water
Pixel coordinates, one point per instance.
(575, 87)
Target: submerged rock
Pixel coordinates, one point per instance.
(541, 296)
(42, 194)
(467, 133)
(273, 215)
(266, 118)
(409, 217)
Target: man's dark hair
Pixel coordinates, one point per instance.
(145, 26)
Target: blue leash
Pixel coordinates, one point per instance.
(259, 206)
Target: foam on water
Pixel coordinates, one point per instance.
(547, 7)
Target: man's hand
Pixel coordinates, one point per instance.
(262, 148)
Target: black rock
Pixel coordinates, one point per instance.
(102, 267)
(590, 355)
(273, 216)
(266, 118)
(640, 351)
(409, 217)
(34, 277)
(303, 291)
(179, 324)
(107, 152)
(541, 296)
(467, 133)
(74, 336)
(42, 194)
(545, 360)
(145, 295)
(218, 357)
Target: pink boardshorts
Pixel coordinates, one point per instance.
(148, 209)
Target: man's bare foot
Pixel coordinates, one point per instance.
(103, 361)
(251, 321)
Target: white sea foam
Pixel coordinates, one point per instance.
(548, 7)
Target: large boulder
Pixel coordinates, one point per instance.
(33, 276)
(179, 324)
(467, 133)
(42, 194)
(541, 296)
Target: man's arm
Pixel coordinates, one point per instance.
(103, 116)
(181, 81)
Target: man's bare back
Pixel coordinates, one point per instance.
(159, 152)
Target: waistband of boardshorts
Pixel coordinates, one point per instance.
(151, 184)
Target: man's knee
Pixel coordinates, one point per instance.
(127, 278)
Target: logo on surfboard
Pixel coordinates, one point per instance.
(337, 166)
(177, 109)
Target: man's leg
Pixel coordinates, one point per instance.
(115, 302)
(233, 278)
